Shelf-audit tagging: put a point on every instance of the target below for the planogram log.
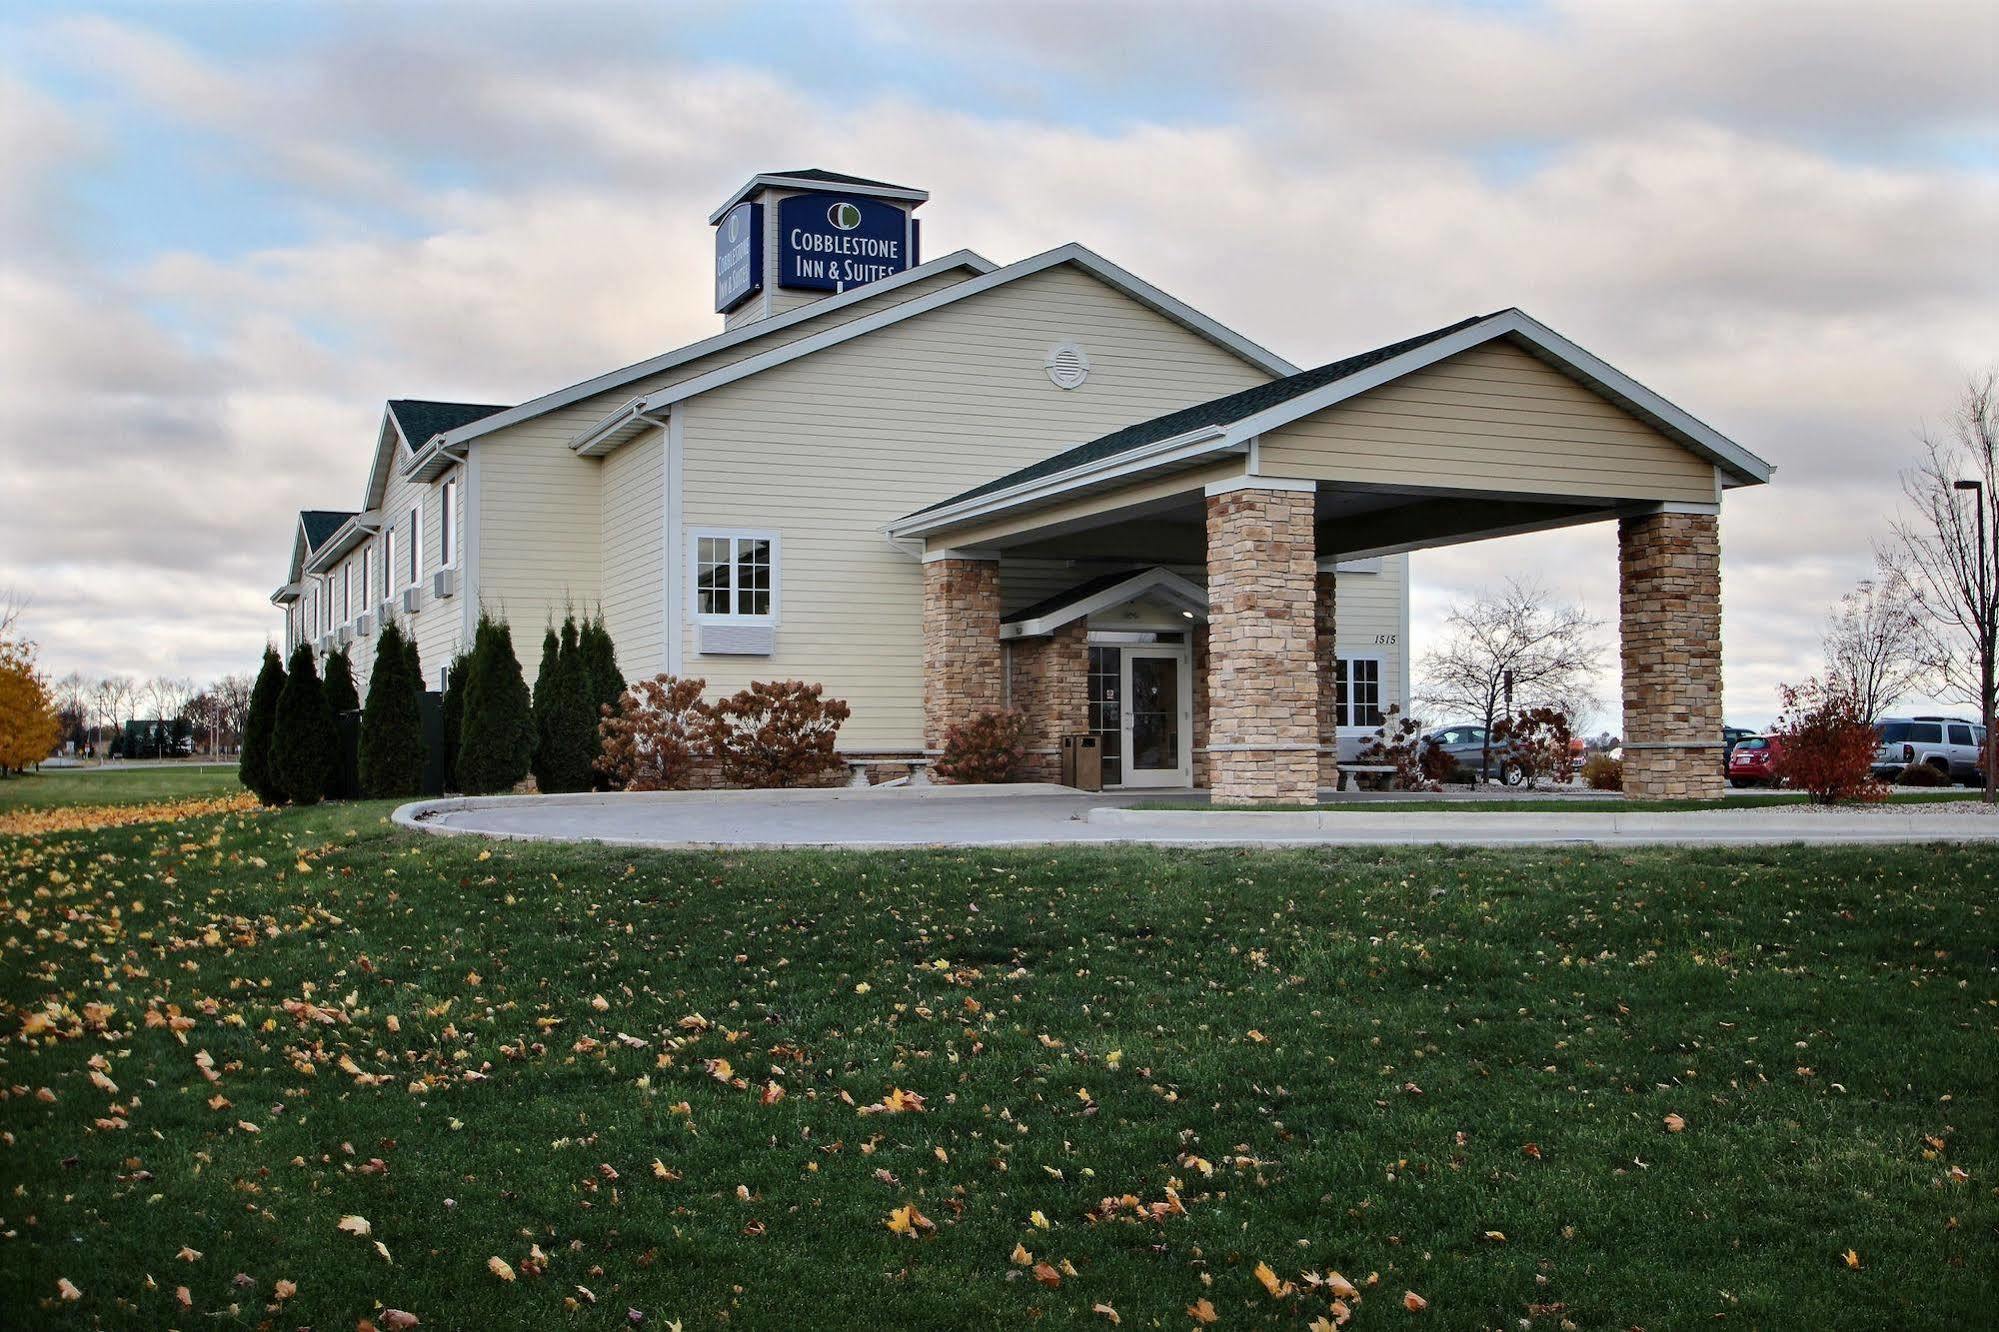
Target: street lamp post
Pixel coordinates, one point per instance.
(1984, 622)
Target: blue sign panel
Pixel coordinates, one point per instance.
(829, 243)
(739, 256)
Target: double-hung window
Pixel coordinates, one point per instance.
(1357, 692)
(447, 525)
(346, 592)
(416, 542)
(367, 573)
(388, 561)
(735, 576)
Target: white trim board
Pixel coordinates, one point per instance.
(592, 441)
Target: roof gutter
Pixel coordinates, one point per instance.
(1204, 442)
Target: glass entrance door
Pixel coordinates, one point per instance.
(1158, 717)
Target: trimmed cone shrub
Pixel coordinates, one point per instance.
(304, 740)
(651, 740)
(391, 724)
(341, 695)
(453, 710)
(255, 765)
(496, 731)
(565, 718)
(988, 746)
(775, 733)
(544, 700)
(607, 687)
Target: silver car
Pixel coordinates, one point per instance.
(1951, 745)
(1466, 746)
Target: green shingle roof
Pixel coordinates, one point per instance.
(421, 418)
(1221, 411)
(320, 524)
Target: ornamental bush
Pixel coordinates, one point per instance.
(1601, 772)
(496, 730)
(988, 746)
(254, 767)
(1398, 743)
(655, 736)
(392, 723)
(1539, 741)
(304, 739)
(1922, 774)
(341, 695)
(775, 733)
(1825, 744)
(565, 715)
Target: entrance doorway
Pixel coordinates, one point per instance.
(1142, 706)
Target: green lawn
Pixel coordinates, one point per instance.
(116, 786)
(1571, 804)
(1353, 1061)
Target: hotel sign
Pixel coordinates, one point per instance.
(739, 256)
(829, 243)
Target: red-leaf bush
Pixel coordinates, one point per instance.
(1601, 772)
(775, 733)
(1538, 740)
(1398, 743)
(655, 736)
(989, 746)
(1826, 744)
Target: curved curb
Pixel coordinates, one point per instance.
(421, 815)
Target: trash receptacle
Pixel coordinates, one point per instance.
(1082, 762)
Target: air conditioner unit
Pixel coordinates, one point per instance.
(386, 612)
(412, 598)
(444, 583)
(344, 634)
(326, 643)
(735, 640)
(364, 624)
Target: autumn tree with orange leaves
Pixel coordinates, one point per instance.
(29, 726)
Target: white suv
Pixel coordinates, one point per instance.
(1948, 744)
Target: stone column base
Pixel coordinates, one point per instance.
(1264, 776)
(1689, 773)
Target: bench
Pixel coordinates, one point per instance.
(1348, 771)
(919, 774)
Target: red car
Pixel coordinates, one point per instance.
(1754, 761)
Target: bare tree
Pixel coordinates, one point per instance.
(118, 696)
(232, 702)
(1874, 644)
(1941, 549)
(1512, 649)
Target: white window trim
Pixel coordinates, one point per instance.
(388, 561)
(692, 582)
(1344, 722)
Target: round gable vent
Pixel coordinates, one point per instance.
(1067, 365)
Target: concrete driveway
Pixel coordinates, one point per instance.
(1041, 815)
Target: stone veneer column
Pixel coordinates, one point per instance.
(1263, 686)
(1669, 622)
(1326, 631)
(1050, 687)
(961, 645)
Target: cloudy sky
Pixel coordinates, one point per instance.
(228, 232)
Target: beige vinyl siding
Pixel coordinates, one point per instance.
(1492, 418)
(825, 450)
(1369, 608)
(634, 485)
(540, 505)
